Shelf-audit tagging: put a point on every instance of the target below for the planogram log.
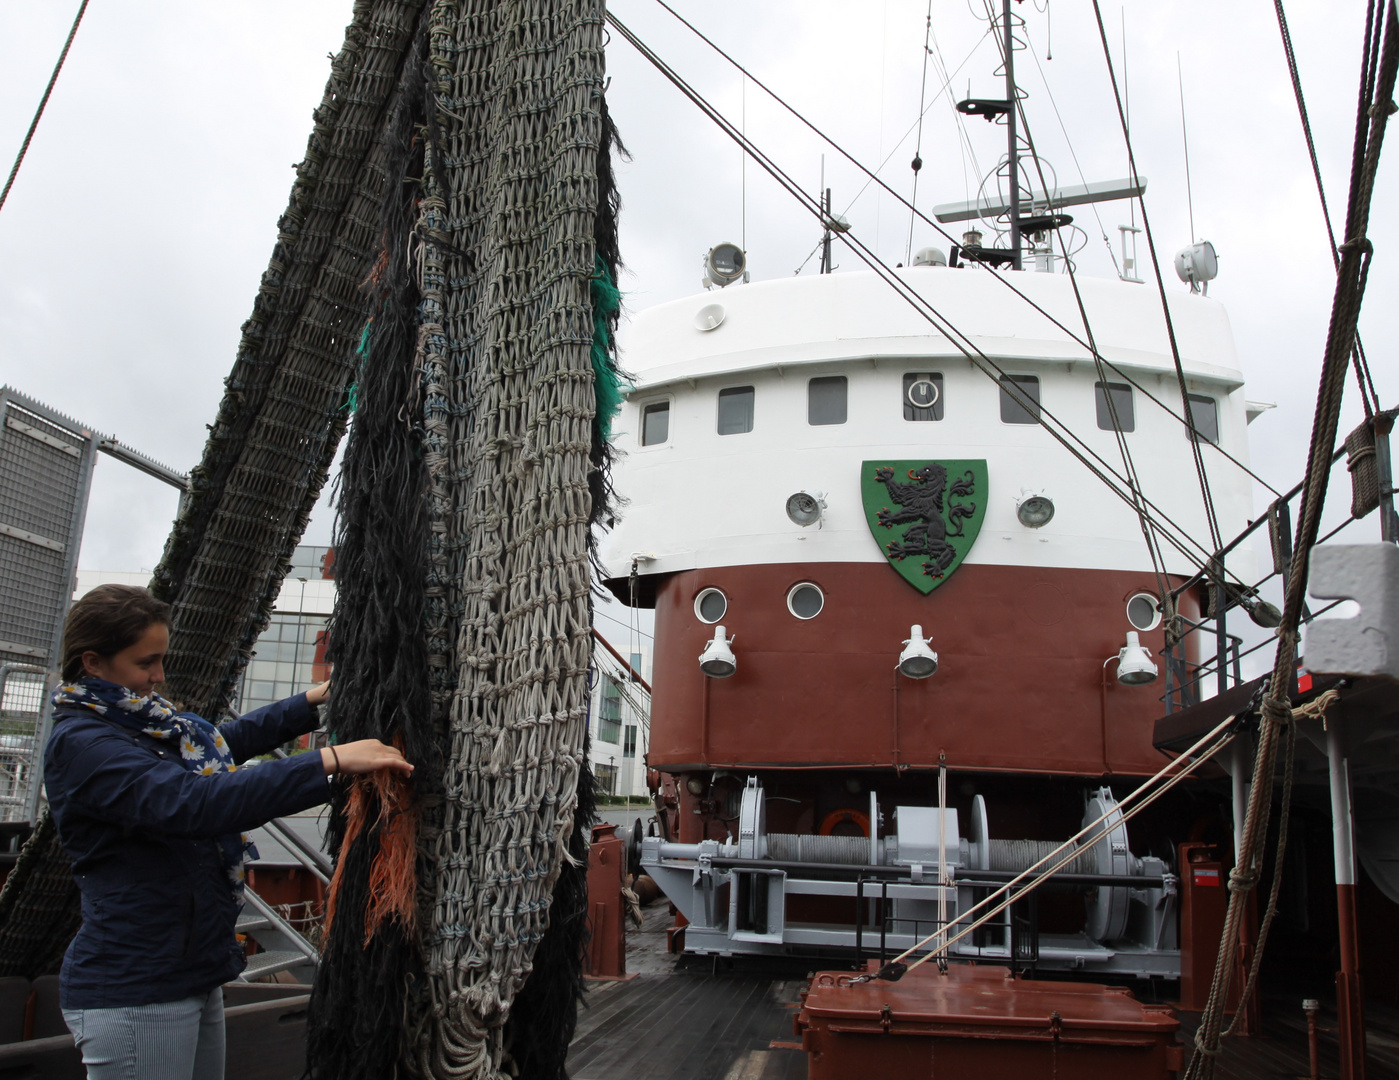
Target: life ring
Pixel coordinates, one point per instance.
(841, 817)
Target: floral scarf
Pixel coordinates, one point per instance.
(202, 749)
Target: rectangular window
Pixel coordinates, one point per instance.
(1115, 396)
(655, 423)
(1020, 399)
(629, 741)
(607, 779)
(922, 395)
(736, 410)
(636, 663)
(609, 726)
(825, 400)
(1205, 412)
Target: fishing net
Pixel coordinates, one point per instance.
(446, 272)
(475, 470)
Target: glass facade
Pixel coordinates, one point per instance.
(289, 657)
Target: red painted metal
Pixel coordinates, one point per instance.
(1350, 1001)
(977, 1021)
(1204, 902)
(1019, 689)
(607, 946)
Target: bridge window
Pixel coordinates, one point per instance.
(1020, 399)
(1115, 396)
(922, 395)
(736, 410)
(655, 423)
(1205, 412)
(825, 400)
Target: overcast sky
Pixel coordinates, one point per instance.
(133, 241)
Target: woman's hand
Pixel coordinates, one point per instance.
(364, 756)
(319, 694)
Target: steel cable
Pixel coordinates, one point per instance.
(43, 103)
(1181, 540)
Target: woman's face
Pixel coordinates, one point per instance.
(138, 667)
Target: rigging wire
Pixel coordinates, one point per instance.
(1185, 145)
(1181, 540)
(870, 177)
(43, 103)
(1158, 561)
(1373, 110)
(1107, 243)
(1368, 396)
(873, 178)
(1195, 439)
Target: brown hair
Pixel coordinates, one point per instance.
(106, 620)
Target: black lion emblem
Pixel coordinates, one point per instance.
(921, 502)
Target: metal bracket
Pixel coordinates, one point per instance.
(1367, 644)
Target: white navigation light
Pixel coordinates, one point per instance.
(717, 661)
(723, 265)
(805, 509)
(1034, 509)
(917, 661)
(1197, 265)
(1135, 666)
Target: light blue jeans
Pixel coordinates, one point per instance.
(171, 1040)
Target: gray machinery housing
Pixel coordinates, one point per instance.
(734, 893)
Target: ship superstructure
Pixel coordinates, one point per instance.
(826, 478)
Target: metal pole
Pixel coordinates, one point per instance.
(1013, 150)
(826, 235)
(1350, 1017)
(1221, 635)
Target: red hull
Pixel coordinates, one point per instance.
(1020, 687)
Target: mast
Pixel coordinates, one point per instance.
(1013, 155)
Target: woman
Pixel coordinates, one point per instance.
(151, 807)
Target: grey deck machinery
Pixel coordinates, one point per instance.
(737, 893)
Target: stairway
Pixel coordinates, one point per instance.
(283, 947)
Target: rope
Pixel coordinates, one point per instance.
(43, 102)
(1372, 115)
(1368, 396)
(1216, 739)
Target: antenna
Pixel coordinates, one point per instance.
(917, 162)
(1185, 142)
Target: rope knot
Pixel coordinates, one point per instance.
(1359, 243)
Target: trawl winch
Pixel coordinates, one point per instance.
(872, 894)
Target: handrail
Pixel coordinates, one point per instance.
(291, 933)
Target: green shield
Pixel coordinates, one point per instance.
(925, 515)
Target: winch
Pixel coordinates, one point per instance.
(924, 873)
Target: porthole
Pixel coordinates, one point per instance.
(805, 601)
(711, 605)
(1142, 613)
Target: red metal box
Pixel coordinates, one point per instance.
(977, 1021)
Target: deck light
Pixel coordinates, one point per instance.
(917, 661)
(805, 508)
(1034, 509)
(717, 661)
(1135, 667)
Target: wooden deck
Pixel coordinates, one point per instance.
(691, 1021)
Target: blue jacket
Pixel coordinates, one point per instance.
(158, 913)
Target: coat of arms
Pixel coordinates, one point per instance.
(924, 514)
